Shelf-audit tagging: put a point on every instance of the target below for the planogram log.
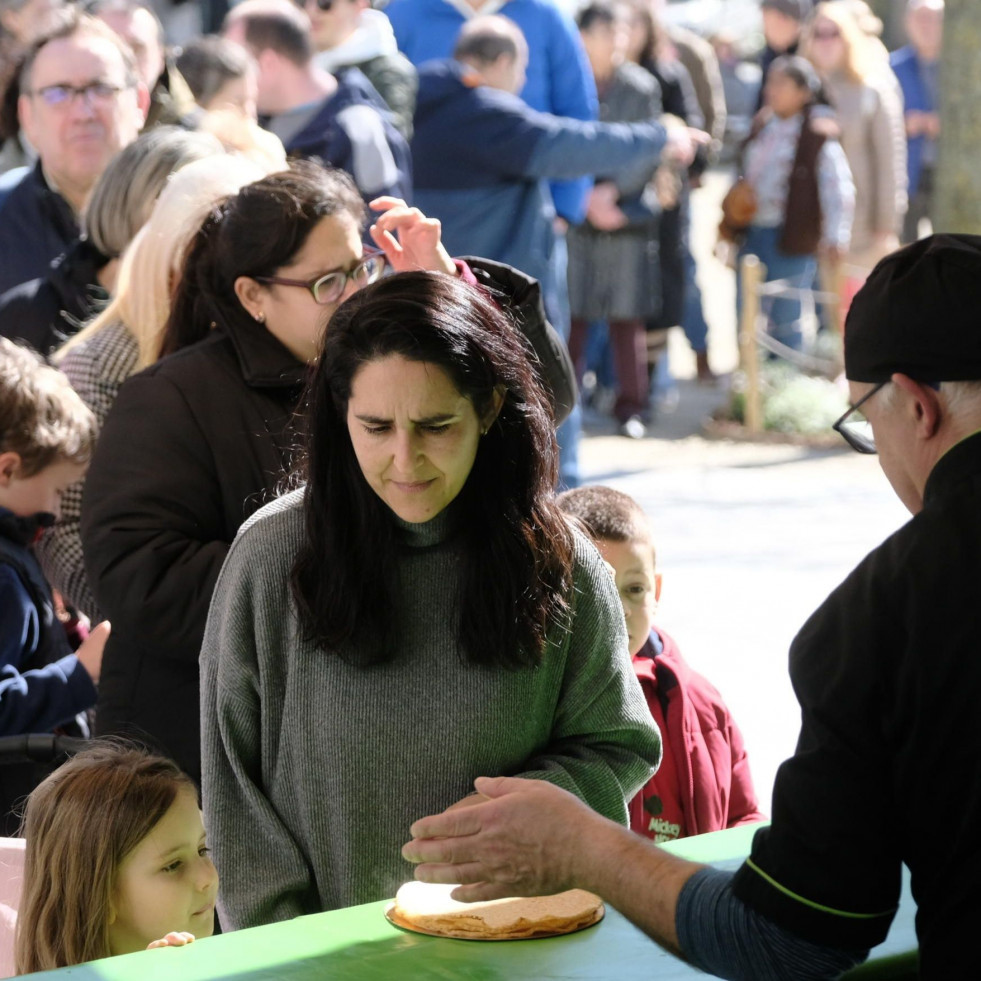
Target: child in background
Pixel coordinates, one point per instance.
(46, 438)
(703, 782)
(805, 198)
(116, 859)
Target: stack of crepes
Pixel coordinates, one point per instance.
(427, 908)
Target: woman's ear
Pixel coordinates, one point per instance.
(249, 294)
(497, 403)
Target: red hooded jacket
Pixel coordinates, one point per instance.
(716, 789)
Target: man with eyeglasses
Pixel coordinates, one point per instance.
(80, 102)
(339, 120)
(887, 770)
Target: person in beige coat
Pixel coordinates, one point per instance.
(868, 105)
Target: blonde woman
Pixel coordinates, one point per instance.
(125, 337)
(865, 96)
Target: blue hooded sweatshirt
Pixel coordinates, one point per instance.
(481, 159)
(559, 81)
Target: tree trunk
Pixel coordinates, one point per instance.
(957, 197)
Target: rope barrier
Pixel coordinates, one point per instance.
(806, 362)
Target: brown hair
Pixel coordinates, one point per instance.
(208, 63)
(42, 419)
(607, 514)
(279, 27)
(80, 824)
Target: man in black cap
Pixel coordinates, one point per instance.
(887, 770)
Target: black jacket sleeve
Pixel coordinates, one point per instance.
(524, 299)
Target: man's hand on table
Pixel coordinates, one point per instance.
(531, 838)
(525, 839)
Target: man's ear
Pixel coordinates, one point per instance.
(142, 101)
(924, 404)
(9, 467)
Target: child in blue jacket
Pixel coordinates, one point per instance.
(46, 438)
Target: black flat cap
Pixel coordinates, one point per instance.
(919, 313)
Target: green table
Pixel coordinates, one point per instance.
(360, 945)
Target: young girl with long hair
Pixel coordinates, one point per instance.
(418, 615)
(116, 861)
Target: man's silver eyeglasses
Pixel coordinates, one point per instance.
(63, 94)
(330, 287)
(855, 428)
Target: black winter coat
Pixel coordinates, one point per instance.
(36, 226)
(192, 447)
(46, 312)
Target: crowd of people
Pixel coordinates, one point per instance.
(293, 322)
(841, 171)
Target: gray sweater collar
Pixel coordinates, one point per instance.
(426, 533)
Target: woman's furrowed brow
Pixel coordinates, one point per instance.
(425, 421)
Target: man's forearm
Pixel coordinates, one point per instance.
(636, 877)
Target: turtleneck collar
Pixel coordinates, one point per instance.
(427, 533)
(24, 531)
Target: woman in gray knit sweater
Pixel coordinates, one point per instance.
(419, 615)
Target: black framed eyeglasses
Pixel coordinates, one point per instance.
(857, 432)
(329, 287)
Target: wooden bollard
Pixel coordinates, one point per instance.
(752, 272)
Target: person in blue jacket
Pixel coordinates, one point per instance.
(917, 66)
(46, 440)
(481, 157)
(558, 78)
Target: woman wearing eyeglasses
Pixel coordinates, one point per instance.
(198, 442)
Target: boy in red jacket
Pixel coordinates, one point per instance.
(703, 782)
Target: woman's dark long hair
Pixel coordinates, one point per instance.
(517, 548)
(253, 233)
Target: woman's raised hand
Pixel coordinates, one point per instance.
(408, 238)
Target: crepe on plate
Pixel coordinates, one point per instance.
(427, 908)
